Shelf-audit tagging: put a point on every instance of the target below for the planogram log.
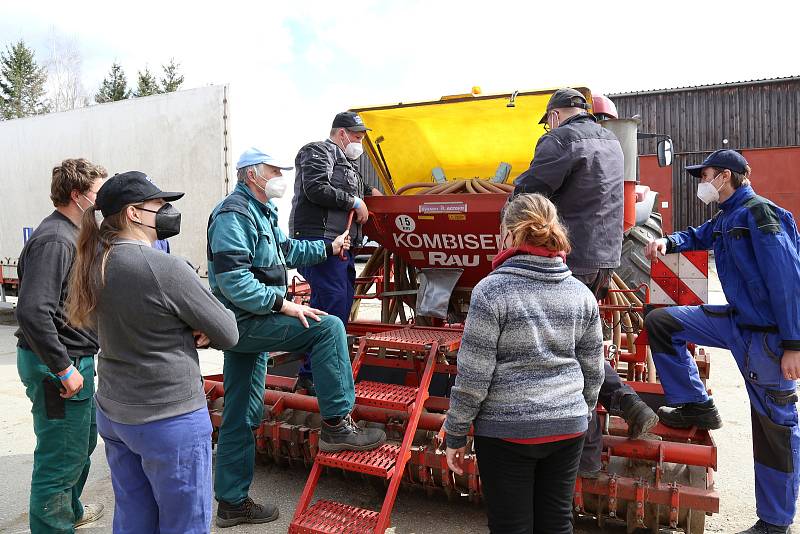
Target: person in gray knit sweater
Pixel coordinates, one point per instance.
(151, 312)
(530, 368)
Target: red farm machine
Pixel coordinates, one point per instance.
(446, 168)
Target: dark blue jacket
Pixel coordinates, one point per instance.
(756, 245)
(326, 185)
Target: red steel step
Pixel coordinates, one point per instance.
(416, 338)
(389, 396)
(328, 517)
(378, 462)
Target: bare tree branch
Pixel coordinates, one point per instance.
(65, 70)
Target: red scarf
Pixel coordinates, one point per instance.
(527, 249)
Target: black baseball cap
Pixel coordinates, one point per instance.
(565, 98)
(721, 159)
(130, 187)
(349, 120)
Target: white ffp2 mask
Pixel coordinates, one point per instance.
(276, 187)
(706, 191)
(354, 149)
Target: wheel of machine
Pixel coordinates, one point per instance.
(634, 268)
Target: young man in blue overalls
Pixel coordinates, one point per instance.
(756, 245)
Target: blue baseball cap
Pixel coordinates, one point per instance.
(722, 159)
(253, 156)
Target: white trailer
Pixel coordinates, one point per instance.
(179, 139)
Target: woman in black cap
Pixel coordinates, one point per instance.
(150, 311)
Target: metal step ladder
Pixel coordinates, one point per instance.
(389, 460)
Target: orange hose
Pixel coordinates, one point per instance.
(415, 185)
(452, 187)
(508, 188)
(480, 186)
(493, 188)
(436, 189)
(471, 186)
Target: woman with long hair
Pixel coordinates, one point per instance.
(151, 311)
(529, 372)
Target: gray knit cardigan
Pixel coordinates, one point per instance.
(531, 361)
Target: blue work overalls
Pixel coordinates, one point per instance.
(755, 244)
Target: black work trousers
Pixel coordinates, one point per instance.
(528, 488)
(612, 390)
(611, 393)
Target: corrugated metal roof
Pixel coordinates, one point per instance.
(759, 81)
(700, 119)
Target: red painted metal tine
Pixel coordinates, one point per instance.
(342, 254)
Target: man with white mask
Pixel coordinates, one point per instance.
(755, 245)
(55, 359)
(327, 186)
(248, 258)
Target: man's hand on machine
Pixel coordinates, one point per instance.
(657, 246)
(790, 364)
(301, 312)
(362, 213)
(341, 242)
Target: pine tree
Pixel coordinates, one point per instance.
(172, 79)
(22, 83)
(114, 86)
(147, 84)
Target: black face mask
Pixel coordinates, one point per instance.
(168, 221)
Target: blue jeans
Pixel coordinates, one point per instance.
(332, 289)
(776, 438)
(161, 473)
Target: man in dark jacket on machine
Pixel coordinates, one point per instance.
(327, 187)
(578, 164)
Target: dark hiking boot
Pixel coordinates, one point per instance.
(229, 515)
(762, 527)
(700, 414)
(347, 435)
(307, 383)
(639, 416)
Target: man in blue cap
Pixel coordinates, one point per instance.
(248, 258)
(756, 246)
(327, 186)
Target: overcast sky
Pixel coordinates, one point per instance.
(292, 65)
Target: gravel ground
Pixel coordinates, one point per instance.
(414, 512)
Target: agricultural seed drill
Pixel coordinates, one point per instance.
(446, 168)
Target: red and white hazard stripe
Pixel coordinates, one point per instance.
(680, 278)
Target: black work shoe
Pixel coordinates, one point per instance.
(347, 435)
(229, 515)
(639, 416)
(307, 383)
(700, 414)
(762, 527)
